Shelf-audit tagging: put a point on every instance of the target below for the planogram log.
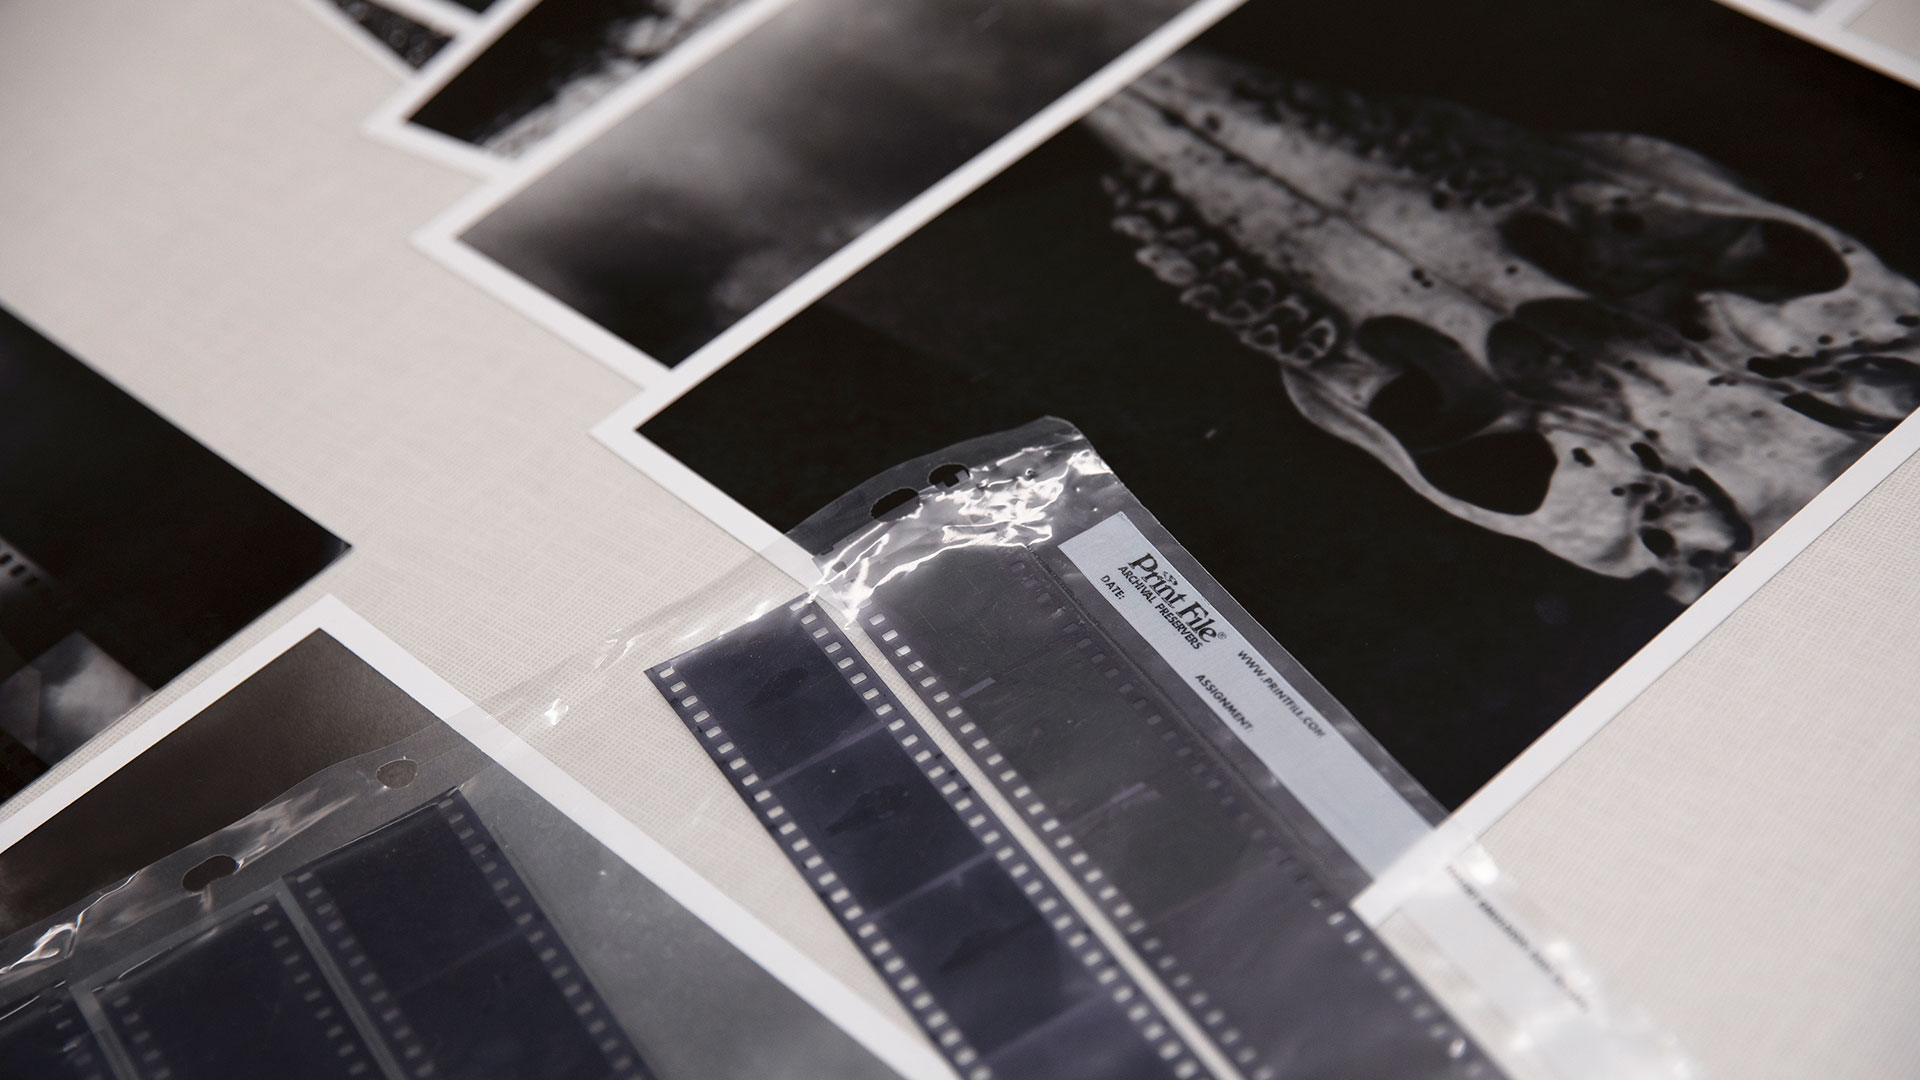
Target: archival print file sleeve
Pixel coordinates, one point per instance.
(413, 912)
(1143, 725)
(351, 925)
(953, 525)
(1067, 802)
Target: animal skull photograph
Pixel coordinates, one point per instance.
(1601, 343)
(1466, 345)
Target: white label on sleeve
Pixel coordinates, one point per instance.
(1349, 798)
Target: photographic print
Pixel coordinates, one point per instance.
(405, 34)
(261, 737)
(325, 806)
(1468, 348)
(1882, 34)
(128, 552)
(534, 66)
(698, 207)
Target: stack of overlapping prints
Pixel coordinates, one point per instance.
(1205, 463)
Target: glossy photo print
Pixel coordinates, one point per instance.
(534, 66)
(1882, 34)
(128, 551)
(404, 34)
(724, 189)
(1469, 348)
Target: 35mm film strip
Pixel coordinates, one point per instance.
(1161, 834)
(415, 952)
(244, 994)
(452, 957)
(44, 1035)
(992, 961)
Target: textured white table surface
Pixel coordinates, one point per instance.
(187, 204)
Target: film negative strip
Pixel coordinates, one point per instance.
(990, 958)
(416, 952)
(244, 998)
(453, 960)
(1161, 833)
(44, 1035)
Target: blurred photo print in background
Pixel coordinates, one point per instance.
(696, 208)
(1467, 361)
(533, 66)
(128, 552)
(404, 34)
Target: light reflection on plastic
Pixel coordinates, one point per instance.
(1014, 506)
(47, 946)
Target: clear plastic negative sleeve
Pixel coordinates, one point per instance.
(1086, 819)
(416, 912)
(1054, 798)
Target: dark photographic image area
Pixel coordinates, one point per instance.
(313, 706)
(1466, 344)
(784, 147)
(555, 61)
(128, 551)
(414, 42)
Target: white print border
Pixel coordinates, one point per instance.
(1827, 27)
(443, 15)
(1547, 753)
(389, 123)
(441, 237)
(902, 1050)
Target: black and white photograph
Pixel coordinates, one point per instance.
(327, 805)
(534, 66)
(128, 551)
(405, 34)
(1882, 34)
(722, 191)
(263, 736)
(1468, 347)
(959, 540)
